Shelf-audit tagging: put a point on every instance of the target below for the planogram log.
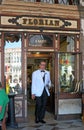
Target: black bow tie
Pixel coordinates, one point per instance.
(42, 70)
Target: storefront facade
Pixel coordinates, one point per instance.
(34, 31)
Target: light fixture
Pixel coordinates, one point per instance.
(37, 53)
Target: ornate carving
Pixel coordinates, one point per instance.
(14, 20)
(66, 23)
(12, 37)
(18, 108)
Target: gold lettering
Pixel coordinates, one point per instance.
(51, 22)
(35, 21)
(46, 22)
(41, 22)
(24, 21)
(30, 21)
(56, 23)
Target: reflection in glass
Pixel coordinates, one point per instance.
(67, 43)
(40, 40)
(67, 72)
(65, 2)
(12, 60)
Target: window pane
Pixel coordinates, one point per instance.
(40, 40)
(67, 43)
(67, 77)
(63, 1)
(12, 51)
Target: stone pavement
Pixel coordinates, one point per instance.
(51, 124)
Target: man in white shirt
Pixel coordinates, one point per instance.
(40, 90)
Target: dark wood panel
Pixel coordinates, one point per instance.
(69, 95)
(68, 117)
(83, 107)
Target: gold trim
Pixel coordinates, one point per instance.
(48, 50)
(44, 31)
(53, 31)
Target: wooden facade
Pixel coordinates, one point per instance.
(28, 18)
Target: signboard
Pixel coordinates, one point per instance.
(41, 22)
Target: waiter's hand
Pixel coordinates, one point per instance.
(33, 96)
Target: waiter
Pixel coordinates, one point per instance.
(40, 91)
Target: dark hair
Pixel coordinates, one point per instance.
(42, 61)
(0, 84)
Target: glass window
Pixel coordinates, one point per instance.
(39, 40)
(47, 1)
(66, 2)
(29, 0)
(68, 76)
(63, 1)
(67, 43)
(12, 54)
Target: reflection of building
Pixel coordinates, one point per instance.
(13, 64)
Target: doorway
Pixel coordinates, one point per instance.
(33, 60)
(23, 57)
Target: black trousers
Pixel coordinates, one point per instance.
(40, 107)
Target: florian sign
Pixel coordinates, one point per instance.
(41, 22)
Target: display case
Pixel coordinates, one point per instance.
(69, 78)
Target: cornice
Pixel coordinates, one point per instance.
(15, 7)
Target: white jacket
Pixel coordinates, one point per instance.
(38, 84)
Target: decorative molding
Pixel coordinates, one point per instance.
(46, 50)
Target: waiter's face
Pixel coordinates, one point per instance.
(42, 65)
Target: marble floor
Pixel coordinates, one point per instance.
(51, 123)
